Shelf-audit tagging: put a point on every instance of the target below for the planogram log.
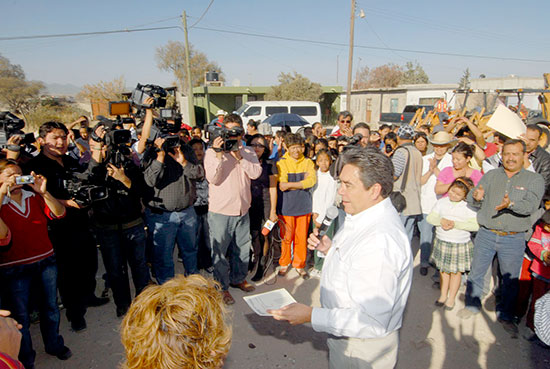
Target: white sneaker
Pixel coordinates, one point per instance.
(315, 273)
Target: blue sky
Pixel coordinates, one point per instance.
(504, 29)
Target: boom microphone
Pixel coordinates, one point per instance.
(331, 214)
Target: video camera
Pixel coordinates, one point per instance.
(11, 125)
(117, 142)
(161, 128)
(142, 92)
(83, 192)
(230, 137)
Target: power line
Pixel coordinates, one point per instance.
(203, 14)
(376, 47)
(12, 38)
(86, 33)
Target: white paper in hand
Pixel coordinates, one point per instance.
(507, 122)
(275, 299)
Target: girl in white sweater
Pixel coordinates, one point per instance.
(324, 194)
(453, 248)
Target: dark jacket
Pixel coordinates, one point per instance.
(541, 162)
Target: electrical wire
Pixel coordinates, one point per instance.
(12, 38)
(33, 37)
(376, 47)
(203, 14)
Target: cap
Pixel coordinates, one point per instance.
(405, 132)
(221, 112)
(265, 129)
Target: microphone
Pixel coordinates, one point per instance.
(331, 214)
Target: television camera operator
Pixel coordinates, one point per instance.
(74, 245)
(230, 166)
(117, 218)
(170, 168)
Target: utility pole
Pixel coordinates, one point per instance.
(350, 61)
(190, 102)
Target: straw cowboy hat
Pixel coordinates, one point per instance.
(442, 138)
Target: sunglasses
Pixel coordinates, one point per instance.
(258, 146)
(345, 121)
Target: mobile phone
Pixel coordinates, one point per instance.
(21, 180)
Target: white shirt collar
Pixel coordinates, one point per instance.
(22, 208)
(366, 216)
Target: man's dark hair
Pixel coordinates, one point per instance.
(534, 127)
(384, 126)
(514, 141)
(252, 123)
(391, 136)
(293, 139)
(345, 114)
(331, 138)
(374, 167)
(361, 125)
(47, 127)
(501, 137)
(322, 141)
(233, 118)
(195, 141)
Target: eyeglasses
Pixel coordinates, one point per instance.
(258, 146)
(345, 121)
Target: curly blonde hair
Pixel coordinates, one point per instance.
(180, 324)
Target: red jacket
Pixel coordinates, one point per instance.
(540, 240)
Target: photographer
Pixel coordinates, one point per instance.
(170, 170)
(117, 219)
(74, 246)
(230, 166)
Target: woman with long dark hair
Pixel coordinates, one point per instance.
(263, 207)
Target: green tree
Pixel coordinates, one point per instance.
(18, 94)
(171, 57)
(464, 82)
(414, 74)
(294, 86)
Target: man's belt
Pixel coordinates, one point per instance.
(162, 211)
(501, 233)
(123, 226)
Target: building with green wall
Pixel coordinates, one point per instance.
(209, 99)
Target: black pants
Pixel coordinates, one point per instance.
(76, 254)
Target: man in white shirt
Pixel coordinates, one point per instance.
(367, 274)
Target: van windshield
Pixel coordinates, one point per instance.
(241, 109)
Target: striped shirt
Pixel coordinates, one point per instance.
(525, 190)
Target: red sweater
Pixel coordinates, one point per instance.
(540, 240)
(28, 229)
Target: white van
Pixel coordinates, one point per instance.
(259, 110)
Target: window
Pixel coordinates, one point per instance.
(238, 102)
(269, 110)
(253, 110)
(428, 100)
(393, 105)
(304, 110)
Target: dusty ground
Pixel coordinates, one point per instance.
(430, 337)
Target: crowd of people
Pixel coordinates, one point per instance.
(242, 198)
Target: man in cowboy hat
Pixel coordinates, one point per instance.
(431, 165)
(219, 118)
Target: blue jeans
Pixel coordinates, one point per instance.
(509, 250)
(426, 240)
(230, 238)
(118, 249)
(408, 222)
(16, 288)
(167, 228)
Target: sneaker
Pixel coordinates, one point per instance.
(423, 271)
(78, 325)
(227, 298)
(315, 273)
(95, 301)
(465, 313)
(64, 354)
(121, 311)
